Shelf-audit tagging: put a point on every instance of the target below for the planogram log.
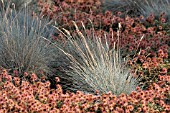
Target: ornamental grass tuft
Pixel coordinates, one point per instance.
(22, 46)
(94, 66)
(137, 7)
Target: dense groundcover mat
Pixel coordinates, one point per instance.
(78, 56)
(25, 97)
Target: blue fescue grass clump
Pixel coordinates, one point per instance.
(147, 7)
(138, 7)
(22, 46)
(19, 4)
(94, 66)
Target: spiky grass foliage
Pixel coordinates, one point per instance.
(147, 7)
(19, 4)
(94, 66)
(138, 7)
(113, 5)
(22, 47)
(124, 6)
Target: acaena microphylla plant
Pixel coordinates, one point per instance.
(22, 47)
(94, 66)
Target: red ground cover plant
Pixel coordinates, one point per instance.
(64, 12)
(155, 30)
(18, 95)
(149, 65)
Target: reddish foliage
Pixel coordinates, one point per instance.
(38, 97)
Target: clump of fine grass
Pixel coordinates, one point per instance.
(138, 7)
(94, 66)
(20, 4)
(147, 7)
(22, 46)
(124, 6)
